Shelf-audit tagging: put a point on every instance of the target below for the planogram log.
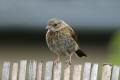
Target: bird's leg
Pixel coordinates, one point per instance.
(69, 61)
(57, 60)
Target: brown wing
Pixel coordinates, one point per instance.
(79, 52)
(73, 34)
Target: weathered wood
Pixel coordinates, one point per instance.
(67, 73)
(14, 71)
(6, 71)
(106, 72)
(39, 71)
(77, 72)
(48, 70)
(57, 72)
(115, 72)
(22, 70)
(53, 72)
(94, 72)
(86, 71)
(32, 70)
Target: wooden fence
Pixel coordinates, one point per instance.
(33, 70)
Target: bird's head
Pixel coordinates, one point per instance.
(55, 24)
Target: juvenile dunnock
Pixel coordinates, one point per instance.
(62, 40)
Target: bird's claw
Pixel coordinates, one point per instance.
(68, 62)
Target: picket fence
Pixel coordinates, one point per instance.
(34, 70)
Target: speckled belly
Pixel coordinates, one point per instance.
(63, 44)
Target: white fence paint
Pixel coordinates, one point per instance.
(39, 71)
(67, 73)
(115, 72)
(14, 71)
(6, 71)
(86, 72)
(57, 72)
(106, 73)
(77, 72)
(33, 70)
(94, 72)
(22, 70)
(48, 71)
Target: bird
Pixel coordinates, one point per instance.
(62, 40)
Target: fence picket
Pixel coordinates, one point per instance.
(106, 73)
(6, 71)
(54, 71)
(115, 72)
(22, 70)
(57, 72)
(32, 70)
(77, 72)
(94, 72)
(86, 71)
(48, 70)
(14, 71)
(39, 71)
(67, 73)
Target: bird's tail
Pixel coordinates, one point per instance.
(80, 53)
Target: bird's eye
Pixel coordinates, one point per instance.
(55, 25)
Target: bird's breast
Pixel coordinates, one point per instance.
(56, 37)
(60, 41)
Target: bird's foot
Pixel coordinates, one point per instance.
(68, 62)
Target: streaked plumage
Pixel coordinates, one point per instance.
(61, 39)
